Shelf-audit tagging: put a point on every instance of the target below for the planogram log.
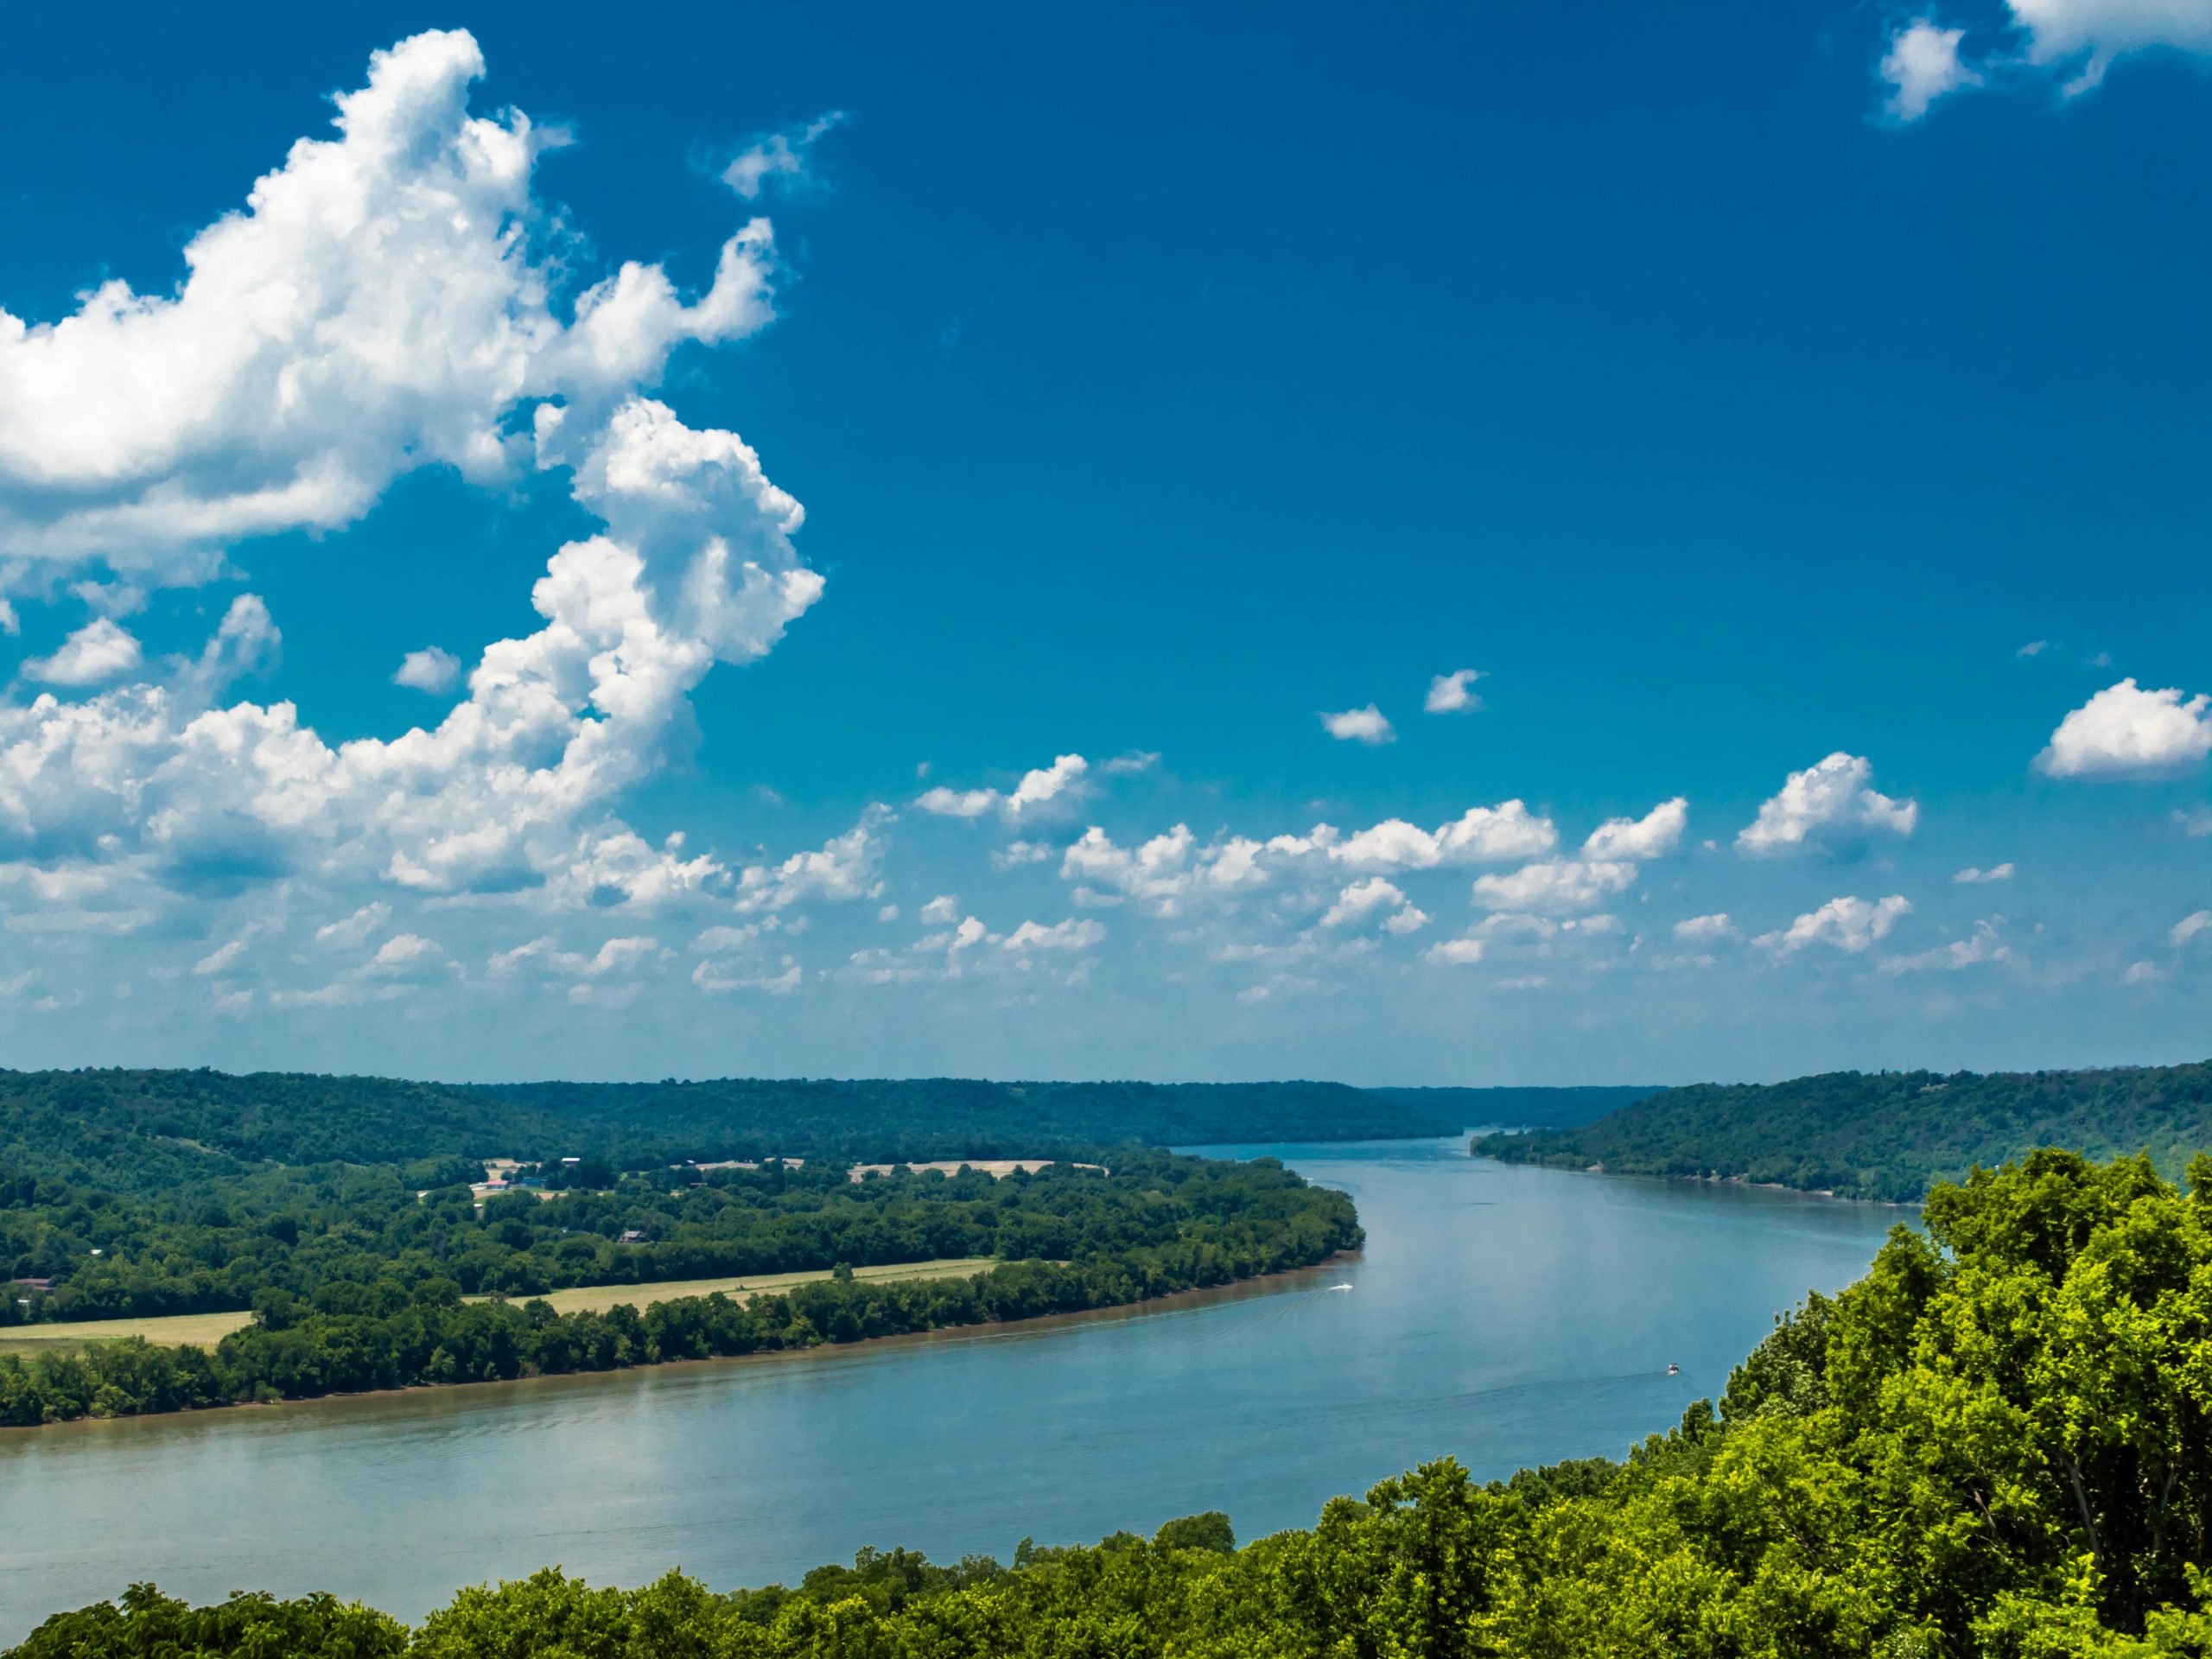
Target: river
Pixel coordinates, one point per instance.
(1507, 1316)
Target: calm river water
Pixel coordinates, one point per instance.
(1507, 1316)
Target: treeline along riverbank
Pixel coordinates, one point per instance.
(1995, 1443)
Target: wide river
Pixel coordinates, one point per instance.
(1506, 1316)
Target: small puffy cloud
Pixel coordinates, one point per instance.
(430, 669)
(2142, 973)
(2033, 648)
(1971, 876)
(778, 157)
(1554, 885)
(1064, 778)
(1410, 919)
(1849, 923)
(351, 932)
(945, 907)
(404, 951)
(1365, 725)
(2195, 821)
(1015, 853)
(2126, 732)
(1072, 935)
(1453, 693)
(1831, 805)
(1136, 761)
(846, 867)
(957, 802)
(1482, 834)
(1984, 944)
(2189, 927)
(94, 654)
(888, 913)
(1655, 834)
(1454, 952)
(1922, 64)
(1703, 930)
(1361, 900)
(1046, 784)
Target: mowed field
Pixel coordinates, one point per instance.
(206, 1330)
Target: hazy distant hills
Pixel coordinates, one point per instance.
(1885, 1135)
(1516, 1108)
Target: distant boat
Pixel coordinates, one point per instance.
(1346, 1286)
(1673, 1370)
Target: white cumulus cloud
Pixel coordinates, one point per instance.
(1831, 805)
(1453, 693)
(96, 653)
(2125, 731)
(1366, 725)
(1920, 65)
(1655, 834)
(1062, 780)
(1072, 935)
(1555, 887)
(1849, 923)
(428, 669)
(2189, 927)
(1359, 901)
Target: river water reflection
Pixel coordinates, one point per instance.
(1507, 1316)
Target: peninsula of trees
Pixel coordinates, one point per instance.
(357, 1282)
(1885, 1135)
(1998, 1443)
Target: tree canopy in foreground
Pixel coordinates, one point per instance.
(1998, 1443)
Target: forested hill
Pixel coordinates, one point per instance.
(1885, 1135)
(1516, 1108)
(148, 1130)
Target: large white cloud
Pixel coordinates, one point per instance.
(1831, 805)
(386, 300)
(2125, 731)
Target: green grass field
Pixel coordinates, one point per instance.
(206, 1330)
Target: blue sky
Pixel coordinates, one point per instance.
(1793, 413)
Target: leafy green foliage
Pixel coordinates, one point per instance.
(1888, 1135)
(1997, 1444)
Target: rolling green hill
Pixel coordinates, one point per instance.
(143, 1131)
(1885, 1135)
